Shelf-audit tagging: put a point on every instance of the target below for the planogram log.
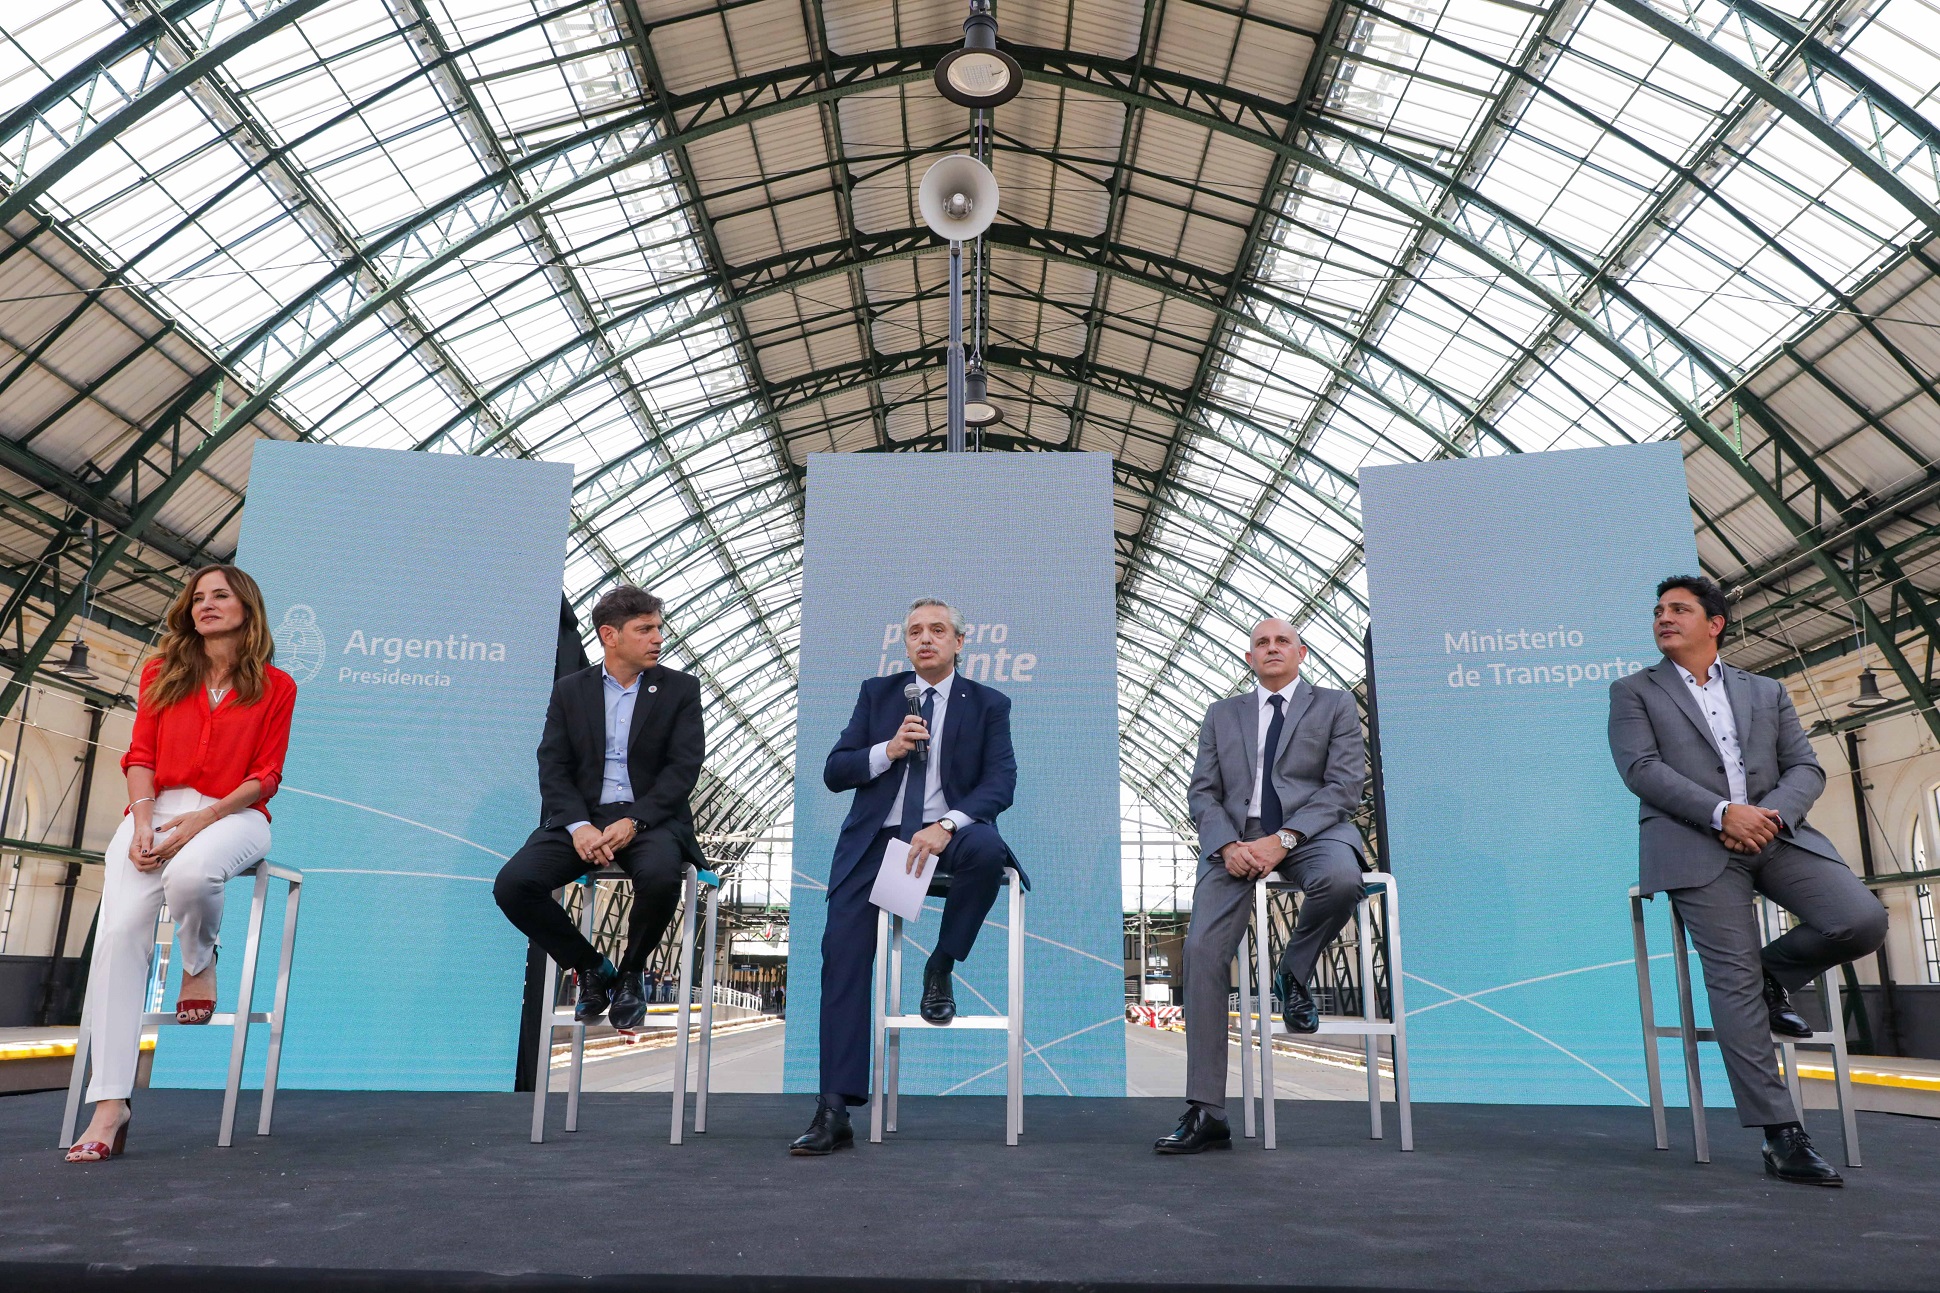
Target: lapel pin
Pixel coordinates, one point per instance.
(652, 690)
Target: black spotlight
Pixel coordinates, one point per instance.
(77, 664)
(979, 75)
(978, 411)
(1869, 697)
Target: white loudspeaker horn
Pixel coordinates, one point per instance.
(958, 198)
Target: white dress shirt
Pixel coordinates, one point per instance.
(1711, 698)
(1265, 700)
(935, 807)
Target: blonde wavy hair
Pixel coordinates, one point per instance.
(185, 662)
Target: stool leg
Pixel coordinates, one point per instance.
(893, 1060)
(245, 998)
(1404, 1109)
(1014, 1085)
(1789, 1058)
(1841, 1073)
(1687, 1018)
(707, 1011)
(877, 1058)
(542, 1062)
(683, 1003)
(1246, 1029)
(77, 1080)
(1263, 977)
(1371, 1045)
(275, 1061)
(575, 1071)
(1646, 1007)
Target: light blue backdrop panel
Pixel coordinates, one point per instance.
(1507, 594)
(1026, 553)
(416, 603)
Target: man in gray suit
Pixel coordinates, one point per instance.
(1279, 773)
(1725, 775)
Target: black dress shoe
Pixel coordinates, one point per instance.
(939, 1001)
(1196, 1133)
(595, 990)
(828, 1132)
(1790, 1157)
(629, 1000)
(1297, 1006)
(1786, 1022)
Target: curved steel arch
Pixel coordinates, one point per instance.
(1248, 526)
(1687, 36)
(1608, 341)
(1126, 387)
(880, 249)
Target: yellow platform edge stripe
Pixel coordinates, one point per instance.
(49, 1050)
(1875, 1077)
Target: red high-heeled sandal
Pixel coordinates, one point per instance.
(206, 1006)
(103, 1152)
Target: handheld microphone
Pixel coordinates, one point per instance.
(914, 695)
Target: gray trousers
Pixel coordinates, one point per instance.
(1839, 920)
(1329, 875)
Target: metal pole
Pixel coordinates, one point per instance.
(955, 442)
(73, 877)
(6, 812)
(1863, 813)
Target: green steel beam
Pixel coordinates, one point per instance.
(1874, 101)
(27, 189)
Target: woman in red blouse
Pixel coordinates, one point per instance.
(211, 727)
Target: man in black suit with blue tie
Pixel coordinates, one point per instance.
(937, 778)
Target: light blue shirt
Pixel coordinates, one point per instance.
(616, 786)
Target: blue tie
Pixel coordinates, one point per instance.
(1271, 814)
(916, 785)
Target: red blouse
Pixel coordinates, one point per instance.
(214, 751)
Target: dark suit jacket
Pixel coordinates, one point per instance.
(979, 768)
(666, 745)
(1666, 754)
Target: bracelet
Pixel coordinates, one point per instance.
(145, 799)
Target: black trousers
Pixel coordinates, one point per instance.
(974, 860)
(548, 860)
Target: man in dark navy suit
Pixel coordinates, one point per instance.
(936, 778)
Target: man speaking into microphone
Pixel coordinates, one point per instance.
(928, 754)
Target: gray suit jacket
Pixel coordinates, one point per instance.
(1667, 756)
(1322, 763)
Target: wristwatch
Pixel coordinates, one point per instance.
(1289, 840)
(949, 826)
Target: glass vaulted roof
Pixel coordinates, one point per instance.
(1247, 247)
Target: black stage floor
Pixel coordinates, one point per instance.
(445, 1190)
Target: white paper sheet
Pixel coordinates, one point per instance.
(896, 890)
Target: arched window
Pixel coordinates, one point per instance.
(1929, 932)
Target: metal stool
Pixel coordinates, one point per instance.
(681, 1017)
(1833, 1038)
(245, 997)
(887, 993)
(1367, 1025)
